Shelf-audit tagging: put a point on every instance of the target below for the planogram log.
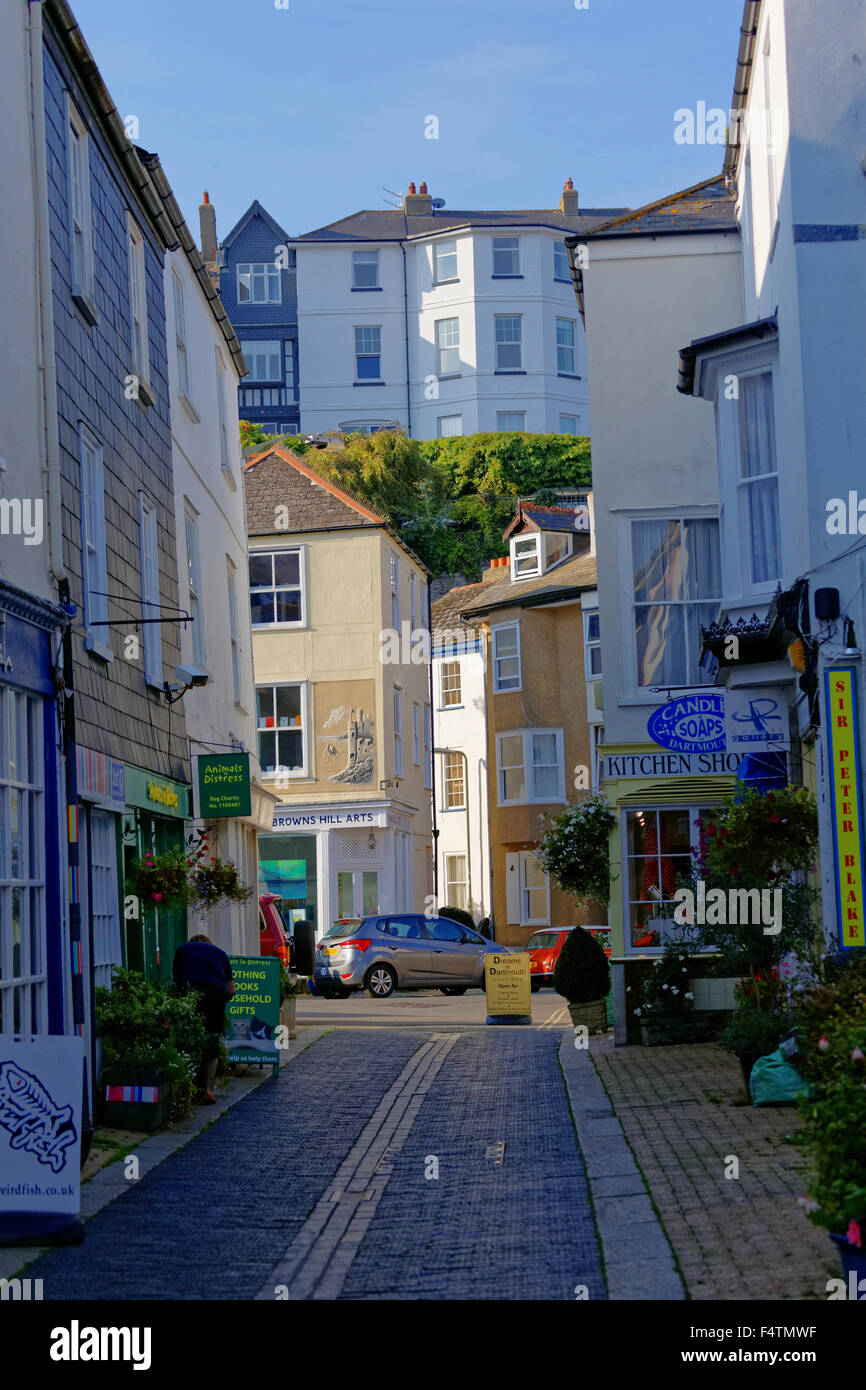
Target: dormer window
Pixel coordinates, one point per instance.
(535, 553)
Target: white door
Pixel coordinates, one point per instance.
(357, 892)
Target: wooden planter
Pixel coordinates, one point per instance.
(591, 1015)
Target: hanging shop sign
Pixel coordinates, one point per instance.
(844, 758)
(756, 719)
(253, 1012)
(339, 818)
(40, 1135)
(224, 785)
(669, 764)
(692, 723)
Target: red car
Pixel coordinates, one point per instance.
(272, 929)
(544, 947)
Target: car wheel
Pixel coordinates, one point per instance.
(380, 981)
(453, 989)
(535, 985)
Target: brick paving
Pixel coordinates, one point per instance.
(742, 1238)
(317, 1181)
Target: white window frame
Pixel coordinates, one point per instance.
(79, 209)
(253, 348)
(443, 250)
(495, 657)
(642, 694)
(694, 813)
(566, 278)
(737, 585)
(222, 419)
(510, 429)
(94, 558)
(527, 735)
(272, 551)
(449, 434)
(181, 346)
(251, 271)
(575, 418)
(523, 546)
(370, 256)
(508, 343)
(413, 601)
(428, 747)
(394, 578)
(448, 329)
(367, 353)
(591, 644)
(416, 734)
(458, 881)
(194, 583)
(21, 716)
(397, 702)
(452, 780)
(139, 357)
(566, 366)
(281, 770)
(234, 639)
(446, 689)
(151, 633)
(514, 251)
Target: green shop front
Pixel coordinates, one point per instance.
(154, 821)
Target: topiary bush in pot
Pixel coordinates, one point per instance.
(459, 914)
(582, 976)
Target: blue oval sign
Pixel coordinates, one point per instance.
(692, 724)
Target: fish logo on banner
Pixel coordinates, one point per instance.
(37, 1124)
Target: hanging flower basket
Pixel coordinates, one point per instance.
(160, 880)
(217, 880)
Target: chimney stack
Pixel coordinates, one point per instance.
(568, 201)
(418, 204)
(207, 226)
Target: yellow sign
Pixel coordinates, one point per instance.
(507, 982)
(847, 807)
(164, 795)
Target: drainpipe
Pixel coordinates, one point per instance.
(432, 753)
(408, 379)
(49, 431)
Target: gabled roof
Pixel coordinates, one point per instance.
(254, 210)
(548, 519)
(392, 224)
(276, 478)
(567, 580)
(446, 611)
(705, 207)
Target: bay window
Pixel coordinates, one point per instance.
(677, 586)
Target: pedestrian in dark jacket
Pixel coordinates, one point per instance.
(205, 968)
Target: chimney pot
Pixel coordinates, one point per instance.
(568, 202)
(205, 198)
(423, 189)
(412, 187)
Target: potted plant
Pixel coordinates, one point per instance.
(575, 849)
(832, 1021)
(761, 1021)
(153, 1040)
(667, 1009)
(212, 880)
(582, 976)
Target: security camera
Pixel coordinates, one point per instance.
(191, 675)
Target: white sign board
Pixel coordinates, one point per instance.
(756, 719)
(40, 1124)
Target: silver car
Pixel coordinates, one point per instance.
(401, 950)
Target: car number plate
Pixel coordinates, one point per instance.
(330, 951)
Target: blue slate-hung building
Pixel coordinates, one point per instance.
(126, 751)
(258, 287)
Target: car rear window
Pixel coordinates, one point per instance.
(541, 938)
(340, 930)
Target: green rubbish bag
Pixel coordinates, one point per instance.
(775, 1082)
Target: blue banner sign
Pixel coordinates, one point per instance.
(690, 724)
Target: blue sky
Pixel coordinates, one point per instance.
(314, 108)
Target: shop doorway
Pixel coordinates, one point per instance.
(357, 892)
(153, 937)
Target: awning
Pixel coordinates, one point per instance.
(762, 772)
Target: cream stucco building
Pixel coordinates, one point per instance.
(343, 722)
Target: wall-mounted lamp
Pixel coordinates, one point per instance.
(851, 649)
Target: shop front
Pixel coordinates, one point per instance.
(707, 743)
(154, 820)
(328, 862)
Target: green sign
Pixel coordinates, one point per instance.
(253, 1012)
(153, 792)
(224, 785)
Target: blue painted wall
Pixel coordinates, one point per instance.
(255, 239)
